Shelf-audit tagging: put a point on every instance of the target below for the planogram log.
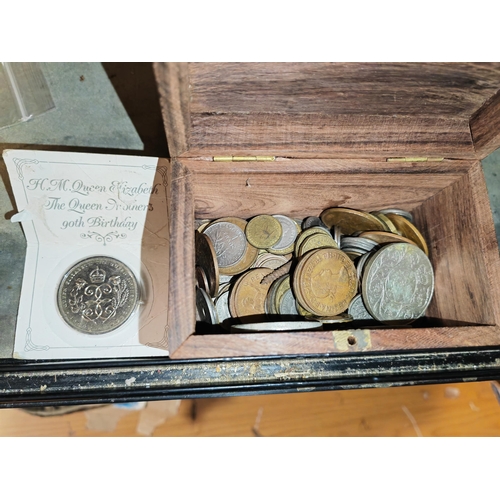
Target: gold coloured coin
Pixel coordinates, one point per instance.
(202, 225)
(302, 311)
(381, 237)
(325, 282)
(248, 296)
(408, 230)
(305, 234)
(280, 292)
(341, 318)
(349, 221)
(390, 226)
(352, 254)
(316, 241)
(250, 254)
(263, 231)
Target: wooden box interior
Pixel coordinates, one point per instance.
(332, 127)
(448, 200)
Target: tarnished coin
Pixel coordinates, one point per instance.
(201, 279)
(325, 282)
(263, 231)
(205, 309)
(248, 296)
(206, 258)
(229, 243)
(97, 295)
(408, 230)
(398, 211)
(277, 326)
(349, 221)
(398, 283)
(289, 233)
(358, 310)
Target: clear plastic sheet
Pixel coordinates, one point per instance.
(24, 93)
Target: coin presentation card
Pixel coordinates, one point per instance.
(95, 281)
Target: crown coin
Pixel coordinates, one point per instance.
(97, 295)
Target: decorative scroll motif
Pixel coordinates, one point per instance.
(29, 345)
(163, 342)
(20, 162)
(107, 238)
(99, 299)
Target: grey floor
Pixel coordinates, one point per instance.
(101, 108)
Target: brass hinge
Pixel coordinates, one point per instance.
(244, 158)
(411, 159)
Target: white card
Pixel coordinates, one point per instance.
(73, 206)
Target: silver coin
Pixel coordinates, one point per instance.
(398, 283)
(360, 251)
(205, 309)
(358, 310)
(313, 222)
(97, 295)
(397, 211)
(223, 288)
(288, 305)
(361, 243)
(229, 242)
(337, 234)
(278, 326)
(223, 279)
(222, 307)
(340, 318)
(289, 232)
(269, 260)
(360, 266)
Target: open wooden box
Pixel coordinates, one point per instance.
(364, 136)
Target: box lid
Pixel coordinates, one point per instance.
(331, 110)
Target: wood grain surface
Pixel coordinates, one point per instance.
(485, 127)
(449, 202)
(173, 81)
(300, 188)
(468, 409)
(367, 340)
(181, 277)
(449, 223)
(326, 109)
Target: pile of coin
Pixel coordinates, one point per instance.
(344, 265)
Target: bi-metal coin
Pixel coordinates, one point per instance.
(97, 295)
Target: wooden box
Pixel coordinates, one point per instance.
(365, 136)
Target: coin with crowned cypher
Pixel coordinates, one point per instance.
(97, 295)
